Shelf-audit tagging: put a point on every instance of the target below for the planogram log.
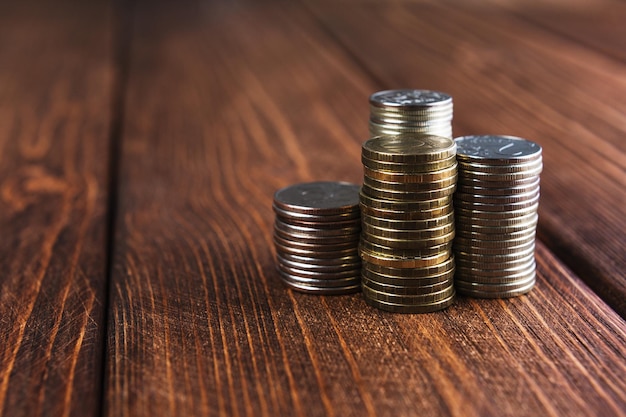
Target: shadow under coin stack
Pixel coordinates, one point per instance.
(408, 223)
(496, 215)
(316, 234)
(420, 112)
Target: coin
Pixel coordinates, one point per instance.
(409, 249)
(316, 240)
(425, 271)
(323, 290)
(404, 281)
(408, 148)
(315, 231)
(318, 266)
(410, 186)
(407, 214)
(432, 297)
(408, 234)
(406, 195)
(409, 224)
(410, 99)
(411, 308)
(320, 282)
(411, 243)
(497, 294)
(406, 290)
(496, 149)
(421, 177)
(403, 262)
(322, 261)
(409, 169)
(318, 198)
(314, 247)
(291, 215)
(406, 205)
(308, 273)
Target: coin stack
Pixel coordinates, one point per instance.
(316, 235)
(408, 222)
(425, 112)
(496, 215)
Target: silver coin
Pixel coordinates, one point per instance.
(324, 197)
(512, 273)
(496, 294)
(319, 267)
(303, 217)
(352, 288)
(410, 98)
(306, 273)
(496, 149)
(321, 261)
(316, 240)
(324, 281)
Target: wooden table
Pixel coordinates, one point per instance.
(140, 146)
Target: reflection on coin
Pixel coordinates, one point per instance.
(322, 197)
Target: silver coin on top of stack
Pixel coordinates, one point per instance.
(408, 222)
(425, 112)
(316, 235)
(495, 209)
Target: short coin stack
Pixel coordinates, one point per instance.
(426, 112)
(316, 235)
(408, 222)
(496, 215)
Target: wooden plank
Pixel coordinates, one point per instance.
(507, 77)
(55, 95)
(596, 24)
(232, 102)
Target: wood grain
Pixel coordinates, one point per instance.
(231, 102)
(55, 97)
(509, 77)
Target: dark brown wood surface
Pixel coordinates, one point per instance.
(507, 77)
(56, 76)
(136, 179)
(232, 102)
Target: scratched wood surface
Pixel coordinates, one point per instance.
(228, 102)
(508, 76)
(55, 92)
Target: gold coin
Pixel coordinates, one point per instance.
(388, 130)
(400, 262)
(410, 272)
(407, 205)
(405, 251)
(411, 309)
(409, 224)
(403, 177)
(442, 294)
(408, 196)
(409, 243)
(383, 232)
(444, 277)
(402, 168)
(409, 148)
(410, 186)
(404, 290)
(407, 214)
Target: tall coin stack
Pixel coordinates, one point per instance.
(425, 112)
(408, 222)
(316, 235)
(496, 215)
